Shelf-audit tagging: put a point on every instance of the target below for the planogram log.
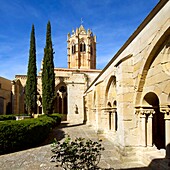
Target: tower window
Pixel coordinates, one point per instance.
(73, 48)
(82, 47)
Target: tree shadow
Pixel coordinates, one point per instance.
(66, 125)
(155, 164)
(57, 133)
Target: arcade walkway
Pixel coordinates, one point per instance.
(39, 158)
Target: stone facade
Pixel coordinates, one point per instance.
(5, 96)
(130, 99)
(70, 83)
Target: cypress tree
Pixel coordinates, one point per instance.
(48, 76)
(31, 83)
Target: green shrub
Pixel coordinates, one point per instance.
(23, 134)
(7, 117)
(56, 117)
(77, 154)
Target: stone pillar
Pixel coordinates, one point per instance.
(149, 130)
(114, 120)
(167, 133)
(143, 129)
(62, 104)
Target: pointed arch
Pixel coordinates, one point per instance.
(82, 46)
(73, 48)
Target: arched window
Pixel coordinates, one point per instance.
(82, 47)
(73, 48)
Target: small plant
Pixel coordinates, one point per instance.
(78, 154)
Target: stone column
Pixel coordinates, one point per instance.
(63, 103)
(143, 129)
(114, 120)
(149, 130)
(167, 133)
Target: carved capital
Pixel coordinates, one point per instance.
(166, 111)
(147, 111)
(110, 109)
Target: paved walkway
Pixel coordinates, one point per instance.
(39, 158)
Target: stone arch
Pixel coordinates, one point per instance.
(160, 44)
(114, 103)
(111, 87)
(60, 102)
(111, 103)
(82, 45)
(151, 101)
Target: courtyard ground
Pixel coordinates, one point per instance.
(39, 158)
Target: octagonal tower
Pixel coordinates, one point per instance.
(81, 49)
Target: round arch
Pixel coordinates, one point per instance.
(151, 100)
(159, 45)
(60, 102)
(112, 80)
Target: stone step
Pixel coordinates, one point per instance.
(155, 159)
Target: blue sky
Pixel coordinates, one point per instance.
(113, 21)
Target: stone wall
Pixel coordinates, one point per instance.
(132, 92)
(70, 85)
(5, 96)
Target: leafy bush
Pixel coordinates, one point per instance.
(56, 117)
(7, 117)
(77, 154)
(23, 134)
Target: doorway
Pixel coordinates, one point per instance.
(158, 122)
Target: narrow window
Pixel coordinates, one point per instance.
(73, 48)
(82, 47)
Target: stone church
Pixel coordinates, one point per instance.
(129, 100)
(70, 83)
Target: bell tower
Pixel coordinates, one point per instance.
(81, 49)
